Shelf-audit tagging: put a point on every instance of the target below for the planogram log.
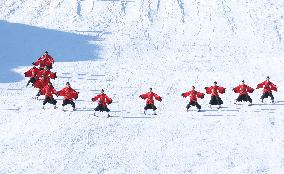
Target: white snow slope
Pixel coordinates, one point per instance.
(168, 45)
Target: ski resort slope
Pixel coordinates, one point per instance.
(168, 45)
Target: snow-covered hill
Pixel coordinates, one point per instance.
(126, 47)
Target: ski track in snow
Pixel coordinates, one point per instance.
(146, 44)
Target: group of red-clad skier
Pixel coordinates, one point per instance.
(40, 77)
(243, 90)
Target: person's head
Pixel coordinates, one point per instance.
(267, 78)
(215, 83)
(243, 82)
(150, 89)
(193, 87)
(46, 52)
(102, 91)
(68, 84)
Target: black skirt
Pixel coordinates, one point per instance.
(215, 100)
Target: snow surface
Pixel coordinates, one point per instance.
(126, 47)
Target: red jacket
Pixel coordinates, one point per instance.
(48, 91)
(150, 97)
(193, 95)
(243, 89)
(267, 86)
(45, 60)
(215, 90)
(33, 72)
(49, 58)
(103, 99)
(68, 93)
(42, 82)
(47, 73)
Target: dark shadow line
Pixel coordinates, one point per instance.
(11, 109)
(97, 75)
(11, 89)
(137, 117)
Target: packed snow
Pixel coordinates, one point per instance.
(126, 47)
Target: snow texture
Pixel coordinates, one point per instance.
(126, 47)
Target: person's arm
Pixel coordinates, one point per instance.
(54, 91)
(208, 90)
(95, 98)
(273, 87)
(143, 96)
(260, 85)
(157, 97)
(200, 95)
(186, 94)
(250, 89)
(28, 73)
(221, 90)
(237, 89)
(108, 100)
(60, 93)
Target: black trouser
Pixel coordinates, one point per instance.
(32, 80)
(102, 108)
(193, 103)
(66, 102)
(215, 100)
(49, 67)
(38, 93)
(244, 97)
(266, 95)
(49, 100)
(150, 106)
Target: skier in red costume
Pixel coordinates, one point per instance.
(150, 104)
(48, 91)
(34, 74)
(268, 87)
(214, 91)
(243, 91)
(45, 60)
(103, 101)
(193, 94)
(69, 94)
(47, 73)
(40, 84)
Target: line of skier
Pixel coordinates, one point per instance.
(243, 90)
(41, 76)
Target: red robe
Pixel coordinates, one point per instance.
(193, 95)
(47, 73)
(41, 83)
(150, 97)
(243, 89)
(45, 60)
(103, 99)
(34, 72)
(215, 90)
(267, 86)
(48, 91)
(68, 93)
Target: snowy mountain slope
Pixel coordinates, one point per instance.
(167, 45)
